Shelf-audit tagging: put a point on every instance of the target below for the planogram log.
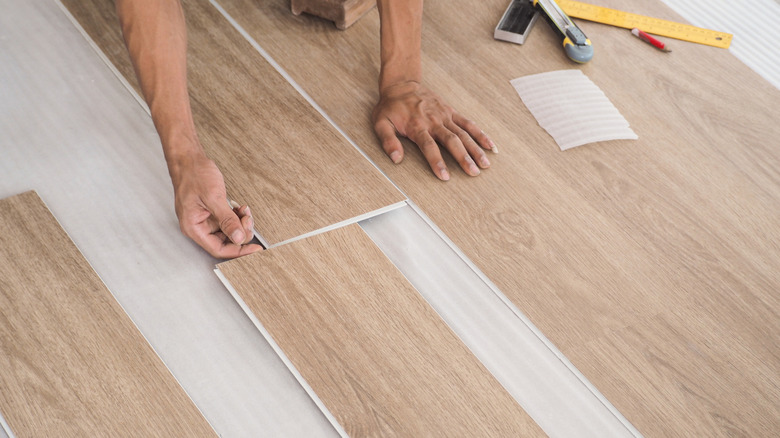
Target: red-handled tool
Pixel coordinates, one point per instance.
(649, 39)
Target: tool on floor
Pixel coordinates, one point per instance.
(650, 40)
(517, 22)
(577, 46)
(520, 16)
(651, 25)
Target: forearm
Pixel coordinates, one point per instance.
(401, 22)
(156, 37)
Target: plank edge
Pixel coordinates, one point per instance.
(3, 424)
(103, 57)
(278, 350)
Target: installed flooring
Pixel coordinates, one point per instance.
(276, 152)
(652, 264)
(73, 362)
(375, 353)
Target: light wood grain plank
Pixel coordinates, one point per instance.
(71, 361)
(633, 367)
(276, 151)
(380, 359)
(597, 239)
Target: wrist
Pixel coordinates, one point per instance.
(181, 155)
(388, 83)
(399, 88)
(391, 76)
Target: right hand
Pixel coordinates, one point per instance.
(204, 213)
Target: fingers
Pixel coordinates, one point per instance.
(473, 150)
(247, 223)
(227, 220)
(453, 144)
(432, 154)
(473, 130)
(390, 143)
(211, 237)
(219, 246)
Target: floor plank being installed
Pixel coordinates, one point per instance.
(678, 228)
(276, 152)
(379, 358)
(73, 362)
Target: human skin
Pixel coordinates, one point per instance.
(156, 37)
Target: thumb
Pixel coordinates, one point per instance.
(390, 143)
(228, 221)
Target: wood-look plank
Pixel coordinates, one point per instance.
(634, 359)
(604, 237)
(375, 353)
(277, 153)
(72, 363)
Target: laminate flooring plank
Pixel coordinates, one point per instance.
(72, 363)
(371, 348)
(276, 152)
(632, 361)
(603, 237)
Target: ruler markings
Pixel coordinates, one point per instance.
(651, 25)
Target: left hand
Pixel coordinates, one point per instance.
(413, 111)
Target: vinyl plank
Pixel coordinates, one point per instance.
(276, 151)
(633, 370)
(72, 362)
(590, 241)
(378, 357)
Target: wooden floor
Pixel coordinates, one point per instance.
(276, 151)
(652, 264)
(644, 261)
(373, 350)
(73, 363)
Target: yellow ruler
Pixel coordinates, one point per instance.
(651, 25)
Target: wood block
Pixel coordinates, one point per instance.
(376, 354)
(343, 13)
(72, 363)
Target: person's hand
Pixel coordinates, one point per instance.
(204, 213)
(413, 111)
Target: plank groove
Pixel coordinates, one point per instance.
(593, 242)
(72, 363)
(376, 354)
(276, 152)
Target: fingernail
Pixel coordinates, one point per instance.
(251, 223)
(484, 161)
(237, 237)
(234, 204)
(395, 156)
(473, 169)
(445, 175)
(493, 147)
(247, 212)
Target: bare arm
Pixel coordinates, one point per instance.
(409, 109)
(156, 37)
